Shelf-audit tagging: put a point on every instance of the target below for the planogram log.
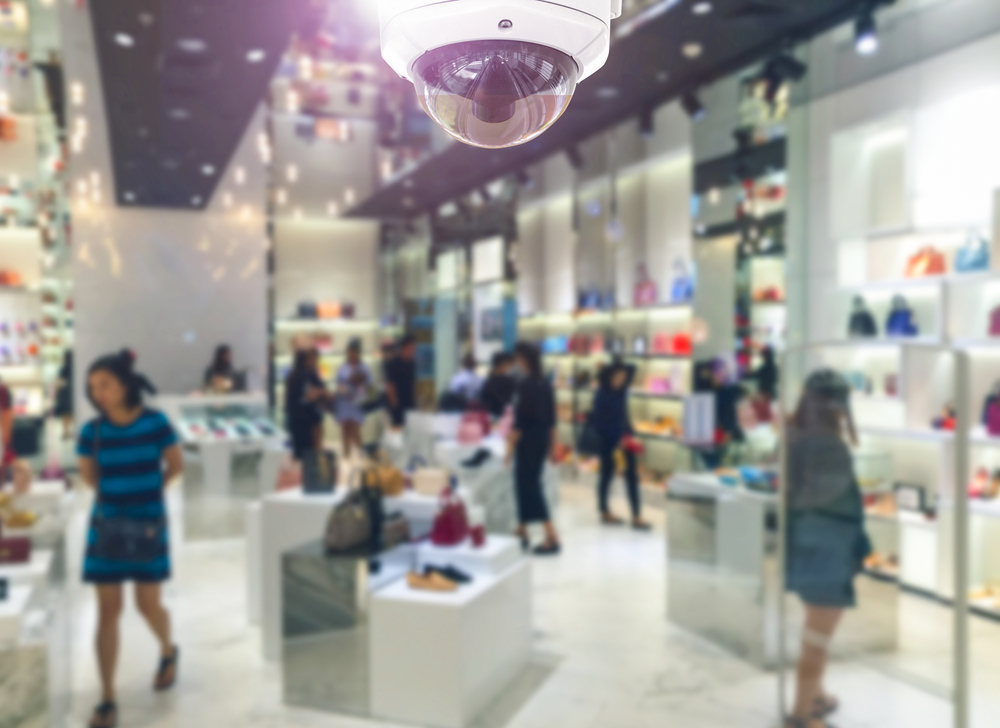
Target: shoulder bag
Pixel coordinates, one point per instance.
(124, 539)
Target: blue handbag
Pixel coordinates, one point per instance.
(900, 322)
(974, 256)
(589, 298)
(682, 290)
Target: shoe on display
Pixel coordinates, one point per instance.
(430, 582)
(478, 458)
(450, 573)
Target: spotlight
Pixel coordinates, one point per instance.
(647, 124)
(693, 106)
(575, 158)
(866, 33)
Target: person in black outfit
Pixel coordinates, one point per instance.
(219, 374)
(531, 441)
(401, 381)
(498, 389)
(64, 395)
(304, 393)
(767, 374)
(610, 418)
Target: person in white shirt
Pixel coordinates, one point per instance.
(467, 382)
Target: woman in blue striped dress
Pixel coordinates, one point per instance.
(127, 454)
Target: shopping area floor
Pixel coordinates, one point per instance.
(605, 656)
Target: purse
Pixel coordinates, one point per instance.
(385, 478)
(646, 292)
(328, 310)
(682, 289)
(430, 481)
(307, 310)
(680, 345)
(353, 523)
(15, 550)
(451, 525)
(974, 256)
(900, 321)
(995, 322)
(926, 262)
(319, 471)
(122, 538)
(862, 323)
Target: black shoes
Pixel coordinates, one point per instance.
(450, 573)
(549, 549)
(479, 457)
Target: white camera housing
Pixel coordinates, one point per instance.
(496, 73)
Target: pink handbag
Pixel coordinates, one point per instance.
(451, 525)
(995, 322)
(993, 418)
(473, 428)
(646, 293)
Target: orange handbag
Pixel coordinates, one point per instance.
(328, 310)
(926, 262)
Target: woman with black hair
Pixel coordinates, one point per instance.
(304, 394)
(63, 408)
(827, 543)
(531, 441)
(128, 454)
(219, 375)
(610, 419)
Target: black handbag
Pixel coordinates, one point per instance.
(590, 442)
(123, 538)
(319, 471)
(862, 323)
(307, 310)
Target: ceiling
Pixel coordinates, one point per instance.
(182, 80)
(647, 68)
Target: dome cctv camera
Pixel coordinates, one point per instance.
(496, 73)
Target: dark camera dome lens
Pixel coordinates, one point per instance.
(495, 93)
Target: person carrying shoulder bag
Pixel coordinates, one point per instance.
(127, 455)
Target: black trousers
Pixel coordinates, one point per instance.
(608, 475)
(529, 469)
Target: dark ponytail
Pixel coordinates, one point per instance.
(121, 367)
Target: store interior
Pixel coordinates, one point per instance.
(314, 269)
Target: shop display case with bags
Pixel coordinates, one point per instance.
(862, 323)
(900, 322)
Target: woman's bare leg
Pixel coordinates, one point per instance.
(109, 612)
(821, 623)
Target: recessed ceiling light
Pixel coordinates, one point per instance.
(195, 201)
(180, 114)
(124, 40)
(192, 45)
(208, 170)
(702, 8)
(607, 92)
(129, 197)
(256, 55)
(662, 77)
(408, 201)
(333, 209)
(692, 50)
(146, 19)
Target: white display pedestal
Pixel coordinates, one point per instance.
(287, 519)
(419, 510)
(440, 659)
(496, 556)
(217, 466)
(254, 563)
(45, 496)
(12, 612)
(33, 573)
(271, 457)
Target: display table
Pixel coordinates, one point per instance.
(498, 554)
(724, 580)
(32, 573)
(287, 520)
(419, 511)
(438, 659)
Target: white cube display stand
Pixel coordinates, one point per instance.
(254, 562)
(498, 554)
(288, 519)
(45, 496)
(32, 573)
(419, 510)
(12, 612)
(439, 659)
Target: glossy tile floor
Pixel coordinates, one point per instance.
(605, 656)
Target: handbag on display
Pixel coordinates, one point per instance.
(927, 261)
(353, 521)
(395, 531)
(347, 310)
(451, 525)
(891, 385)
(385, 478)
(900, 321)
(430, 481)
(307, 310)
(319, 471)
(472, 430)
(596, 345)
(646, 292)
(974, 256)
(579, 344)
(862, 324)
(8, 128)
(681, 345)
(328, 310)
(608, 300)
(589, 298)
(995, 322)
(991, 411)
(289, 475)
(15, 550)
(661, 344)
(682, 289)
(639, 346)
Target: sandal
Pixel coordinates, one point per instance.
(610, 519)
(166, 674)
(105, 715)
(810, 723)
(825, 705)
(548, 549)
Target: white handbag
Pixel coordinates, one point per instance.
(431, 481)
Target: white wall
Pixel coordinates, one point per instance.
(171, 285)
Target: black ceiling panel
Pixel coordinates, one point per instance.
(647, 68)
(182, 80)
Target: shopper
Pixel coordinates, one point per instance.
(611, 420)
(498, 390)
(767, 375)
(353, 382)
(128, 454)
(6, 433)
(220, 377)
(401, 381)
(305, 395)
(826, 540)
(467, 381)
(531, 441)
(63, 408)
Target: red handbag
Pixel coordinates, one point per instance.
(15, 550)
(451, 525)
(680, 345)
(926, 262)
